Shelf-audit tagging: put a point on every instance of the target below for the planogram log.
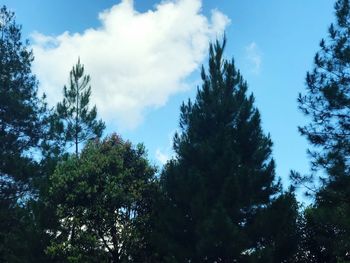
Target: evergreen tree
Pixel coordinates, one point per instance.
(70, 123)
(20, 126)
(327, 99)
(223, 176)
(74, 120)
(21, 113)
(327, 103)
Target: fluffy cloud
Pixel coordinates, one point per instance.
(136, 60)
(254, 57)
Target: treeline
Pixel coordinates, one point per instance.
(70, 194)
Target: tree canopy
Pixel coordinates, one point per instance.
(100, 200)
(217, 200)
(20, 133)
(326, 103)
(223, 176)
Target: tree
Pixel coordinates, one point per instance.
(70, 123)
(223, 176)
(327, 104)
(103, 201)
(20, 124)
(21, 113)
(280, 227)
(327, 99)
(73, 118)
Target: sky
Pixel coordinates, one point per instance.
(144, 57)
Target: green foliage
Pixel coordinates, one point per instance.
(218, 200)
(20, 126)
(280, 227)
(325, 232)
(23, 239)
(74, 119)
(222, 180)
(327, 103)
(327, 99)
(21, 116)
(102, 202)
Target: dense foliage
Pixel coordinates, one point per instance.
(20, 126)
(221, 185)
(327, 103)
(101, 202)
(21, 113)
(217, 200)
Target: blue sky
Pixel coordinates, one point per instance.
(273, 43)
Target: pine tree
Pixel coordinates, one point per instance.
(223, 176)
(327, 99)
(74, 119)
(20, 126)
(21, 113)
(327, 104)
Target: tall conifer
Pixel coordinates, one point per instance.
(21, 115)
(76, 121)
(327, 104)
(223, 176)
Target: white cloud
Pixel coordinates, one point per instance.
(165, 154)
(136, 60)
(161, 156)
(254, 57)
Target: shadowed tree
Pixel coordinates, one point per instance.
(21, 119)
(327, 104)
(222, 179)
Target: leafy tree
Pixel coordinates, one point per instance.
(103, 201)
(327, 103)
(74, 120)
(222, 179)
(70, 123)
